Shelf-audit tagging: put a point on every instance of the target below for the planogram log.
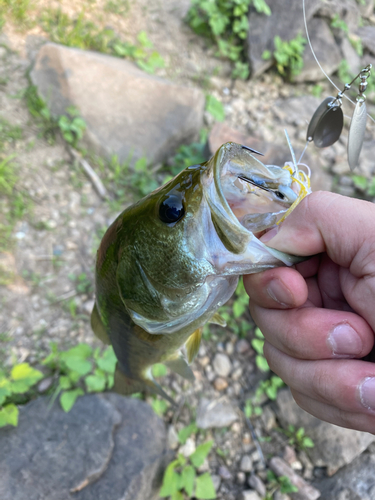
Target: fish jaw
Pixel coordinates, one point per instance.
(241, 214)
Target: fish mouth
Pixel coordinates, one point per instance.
(247, 198)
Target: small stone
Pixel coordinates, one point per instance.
(242, 346)
(289, 455)
(188, 448)
(45, 384)
(216, 413)
(237, 374)
(220, 384)
(241, 477)
(229, 348)
(280, 496)
(249, 495)
(204, 361)
(172, 438)
(222, 365)
(257, 484)
(236, 428)
(305, 490)
(216, 481)
(224, 473)
(246, 464)
(209, 373)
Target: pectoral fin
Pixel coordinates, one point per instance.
(217, 319)
(98, 327)
(179, 365)
(192, 344)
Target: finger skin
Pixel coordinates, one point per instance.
(330, 382)
(333, 415)
(307, 332)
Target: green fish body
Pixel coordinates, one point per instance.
(168, 262)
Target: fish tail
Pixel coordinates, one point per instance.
(125, 385)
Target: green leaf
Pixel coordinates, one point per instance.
(95, 383)
(204, 489)
(68, 398)
(144, 40)
(24, 376)
(215, 108)
(360, 182)
(198, 457)
(107, 361)
(9, 415)
(258, 333)
(177, 496)
(258, 345)
(261, 363)
(308, 442)
(171, 480)
(186, 432)
(5, 389)
(187, 479)
(159, 370)
(65, 382)
(159, 406)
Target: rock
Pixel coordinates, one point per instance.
(356, 481)
(188, 448)
(242, 346)
(241, 477)
(224, 473)
(106, 447)
(172, 438)
(249, 495)
(222, 365)
(350, 55)
(257, 484)
(217, 413)
(220, 384)
(216, 481)
(128, 113)
(246, 464)
(45, 384)
(263, 29)
(345, 10)
(326, 51)
(334, 446)
(305, 491)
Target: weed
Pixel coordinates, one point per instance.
(80, 368)
(289, 55)
(257, 344)
(215, 108)
(72, 126)
(225, 22)
(317, 90)
(191, 154)
(278, 483)
(181, 476)
(120, 7)
(339, 24)
(18, 11)
(86, 35)
(82, 283)
(42, 115)
(268, 388)
(22, 377)
(298, 438)
(9, 134)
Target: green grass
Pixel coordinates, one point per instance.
(120, 7)
(83, 34)
(19, 12)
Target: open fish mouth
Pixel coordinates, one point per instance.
(255, 197)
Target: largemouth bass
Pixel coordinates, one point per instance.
(168, 262)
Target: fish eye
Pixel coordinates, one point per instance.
(171, 209)
(280, 195)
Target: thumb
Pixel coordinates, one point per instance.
(327, 222)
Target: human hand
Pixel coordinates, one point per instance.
(319, 319)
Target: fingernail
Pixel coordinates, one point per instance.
(280, 293)
(345, 341)
(367, 393)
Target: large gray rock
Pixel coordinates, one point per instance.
(128, 112)
(367, 36)
(345, 10)
(286, 21)
(354, 482)
(334, 446)
(326, 51)
(106, 447)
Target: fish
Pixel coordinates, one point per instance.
(167, 263)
